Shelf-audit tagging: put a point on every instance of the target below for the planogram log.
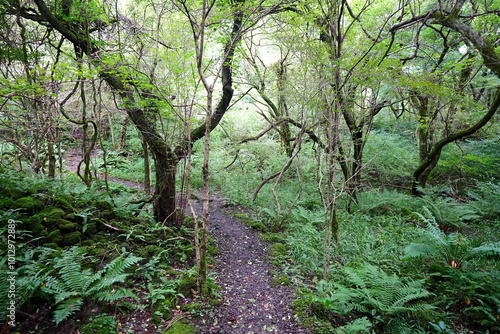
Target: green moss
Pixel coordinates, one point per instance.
(215, 302)
(161, 310)
(51, 245)
(181, 328)
(7, 203)
(273, 237)
(280, 280)
(149, 251)
(71, 238)
(30, 204)
(95, 250)
(55, 237)
(102, 205)
(278, 249)
(187, 284)
(107, 214)
(66, 225)
(87, 242)
(64, 202)
(36, 227)
(73, 217)
(258, 226)
(191, 307)
(91, 229)
(49, 215)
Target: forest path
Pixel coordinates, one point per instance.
(251, 303)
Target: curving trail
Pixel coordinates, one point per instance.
(251, 304)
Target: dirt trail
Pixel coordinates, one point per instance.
(251, 304)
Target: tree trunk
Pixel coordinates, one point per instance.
(164, 202)
(147, 167)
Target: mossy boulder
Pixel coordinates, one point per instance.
(48, 216)
(162, 309)
(258, 226)
(102, 205)
(55, 237)
(36, 227)
(191, 307)
(66, 225)
(71, 239)
(102, 324)
(181, 328)
(107, 214)
(273, 237)
(29, 204)
(64, 203)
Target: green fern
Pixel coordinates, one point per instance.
(454, 249)
(371, 291)
(71, 285)
(448, 213)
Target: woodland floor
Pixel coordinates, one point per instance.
(251, 304)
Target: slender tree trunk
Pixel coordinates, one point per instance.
(147, 167)
(51, 153)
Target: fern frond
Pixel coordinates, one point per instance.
(65, 295)
(67, 308)
(53, 285)
(90, 279)
(491, 250)
(109, 296)
(106, 282)
(70, 270)
(371, 289)
(119, 265)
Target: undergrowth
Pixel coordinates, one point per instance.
(85, 257)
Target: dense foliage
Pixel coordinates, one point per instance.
(361, 136)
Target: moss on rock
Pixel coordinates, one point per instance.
(181, 328)
(55, 237)
(66, 225)
(30, 204)
(71, 239)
